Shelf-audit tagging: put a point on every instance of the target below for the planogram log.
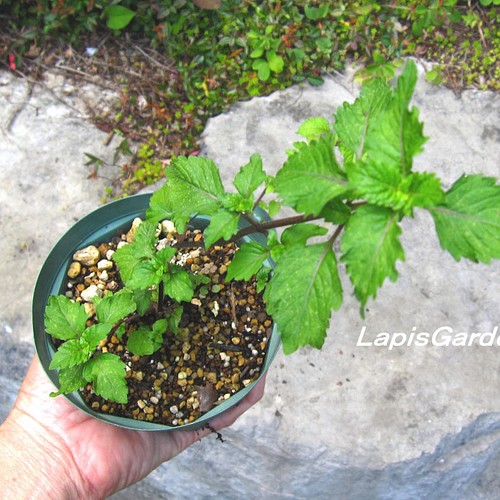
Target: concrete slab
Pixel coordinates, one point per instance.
(347, 422)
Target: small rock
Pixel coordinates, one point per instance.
(131, 233)
(88, 256)
(104, 265)
(89, 293)
(104, 276)
(74, 270)
(168, 227)
(89, 309)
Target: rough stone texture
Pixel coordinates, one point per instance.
(43, 182)
(347, 422)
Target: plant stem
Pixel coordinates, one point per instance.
(263, 227)
(261, 195)
(161, 288)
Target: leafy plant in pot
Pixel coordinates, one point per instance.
(351, 182)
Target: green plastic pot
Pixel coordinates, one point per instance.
(97, 227)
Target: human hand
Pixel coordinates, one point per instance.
(87, 458)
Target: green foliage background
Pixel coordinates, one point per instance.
(253, 47)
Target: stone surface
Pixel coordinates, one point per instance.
(347, 422)
(44, 185)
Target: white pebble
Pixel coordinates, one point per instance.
(89, 293)
(104, 264)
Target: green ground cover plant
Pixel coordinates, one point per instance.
(350, 183)
(248, 48)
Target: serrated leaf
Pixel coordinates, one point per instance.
(352, 119)
(64, 319)
(396, 136)
(223, 224)
(303, 290)
(134, 259)
(68, 355)
(143, 299)
(113, 308)
(468, 222)
(247, 261)
(93, 335)
(314, 128)
(310, 178)
(262, 278)
(237, 203)
(250, 177)
(424, 191)
(106, 372)
(120, 331)
(174, 319)
(160, 206)
(193, 186)
(371, 247)
(298, 234)
(336, 212)
(118, 17)
(70, 379)
(178, 284)
(164, 256)
(386, 186)
(140, 342)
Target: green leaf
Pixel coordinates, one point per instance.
(106, 372)
(145, 341)
(276, 62)
(193, 186)
(140, 342)
(314, 128)
(68, 355)
(237, 203)
(223, 224)
(118, 17)
(160, 206)
(468, 222)
(336, 212)
(134, 259)
(352, 120)
(144, 275)
(70, 379)
(247, 261)
(250, 177)
(301, 294)
(396, 136)
(113, 308)
(371, 247)
(178, 284)
(64, 319)
(164, 256)
(382, 185)
(424, 190)
(174, 319)
(263, 70)
(298, 234)
(262, 278)
(310, 178)
(93, 335)
(143, 299)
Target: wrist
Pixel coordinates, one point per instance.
(34, 461)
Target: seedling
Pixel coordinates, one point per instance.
(351, 181)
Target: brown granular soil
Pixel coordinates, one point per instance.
(218, 349)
